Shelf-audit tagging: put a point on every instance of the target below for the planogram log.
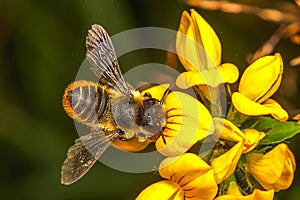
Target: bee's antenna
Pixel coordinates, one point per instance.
(163, 138)
(165, 94)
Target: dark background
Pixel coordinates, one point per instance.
(41, 49)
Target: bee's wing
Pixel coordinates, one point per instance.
(101, 55)
(83, 154)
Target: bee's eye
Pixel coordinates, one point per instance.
(154, 119)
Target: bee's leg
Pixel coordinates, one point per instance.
(164, 139)
(161, 133)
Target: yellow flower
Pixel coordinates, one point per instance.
(273, 170)
(246, 139)
(258, 83)
(262, 78)
(194, 36)
(165, 189)
(225, 164)
(225, 73)
(199, 51)
(228, 131)
(233, 193)
(188, 121)
(188, 177)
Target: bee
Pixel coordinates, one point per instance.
(111, 108)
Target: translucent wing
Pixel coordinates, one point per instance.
(83, 154)
(101, 55)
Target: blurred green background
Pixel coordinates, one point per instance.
(41, 49)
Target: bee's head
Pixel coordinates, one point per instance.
(154, 116)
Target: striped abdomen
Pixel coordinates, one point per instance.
(86, 102)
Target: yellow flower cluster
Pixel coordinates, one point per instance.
(237, 156)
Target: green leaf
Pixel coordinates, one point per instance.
(275, 131)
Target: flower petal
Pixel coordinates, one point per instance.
(188, 121)
(233, 189)
(225, 164)
(287, 175)
(262, 78)
(208, 37)
(132, 145)
(193, 175)
(233, 193)
(261, 195)
(248, 107)
(280, 114)
(229, 72)
(225, 73)
(255, 195)
(261, 166)
(190, 78)
(197, 42)
(165, 189)
(253, 137)
(179, 168)
(227, 130)
(297, 118)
